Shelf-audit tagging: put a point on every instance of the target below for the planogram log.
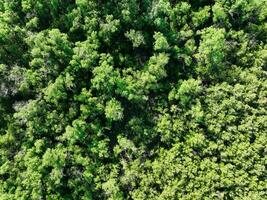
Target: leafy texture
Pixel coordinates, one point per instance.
(137, 100)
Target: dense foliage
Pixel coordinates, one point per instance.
(129, 99)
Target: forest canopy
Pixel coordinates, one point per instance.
(133, 99)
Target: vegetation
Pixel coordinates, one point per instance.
(128, 99)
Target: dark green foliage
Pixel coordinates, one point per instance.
(128, 99)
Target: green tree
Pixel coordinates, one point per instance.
(128, 99)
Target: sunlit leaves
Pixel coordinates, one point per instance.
(161, 42)
(136, 37)
(105, 77)
(114, 110)
(188, 90)
(211, 52)
(128, 99)
(200, 17)
(108, 28)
